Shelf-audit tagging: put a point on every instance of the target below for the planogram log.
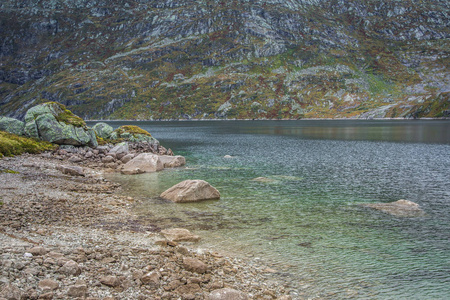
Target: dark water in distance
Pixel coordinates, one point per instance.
(305, 221)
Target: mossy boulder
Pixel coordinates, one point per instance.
(54, 123)
(103, 130)
(133, 133)
(11, 125)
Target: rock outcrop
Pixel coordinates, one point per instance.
(191, 191)
(53, 123)
(12, 125)
(399, 208)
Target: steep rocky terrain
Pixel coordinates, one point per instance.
(169, 59)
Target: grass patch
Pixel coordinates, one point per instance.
(11, 144)
(8, 171)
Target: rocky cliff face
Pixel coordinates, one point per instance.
(164, 59)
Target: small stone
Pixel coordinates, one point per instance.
(48, 284)
(110, 280)
(11, 292)
(36, 251)
(188, 289)
(72, 170)
(46, 296)
(75, 159)
(108, 159)
(71, 268)
(77, 291)
(194, 265)
(151, 278)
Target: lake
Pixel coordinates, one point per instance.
(304, 219)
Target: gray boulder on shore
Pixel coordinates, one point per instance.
(46, 122)
(103, 130)
(191, 191)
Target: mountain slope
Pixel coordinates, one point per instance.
(138, 59)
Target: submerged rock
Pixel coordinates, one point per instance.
(143, 163)
(400, 208)
(191, 191)
(263, 179)
(180, 235)
(12, 125)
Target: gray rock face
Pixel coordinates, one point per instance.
(12, 125)
(399, 208)
(44, 122)
(143, 163)
(103, 130)
(191, 191)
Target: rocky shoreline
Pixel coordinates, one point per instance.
(65, 235)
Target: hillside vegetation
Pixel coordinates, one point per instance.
(171, 59)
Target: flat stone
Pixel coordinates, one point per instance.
(71, 268)
(194, 265)
(77, 291)
(110, 280)
(48, 284)
(36, 251)
(71, 170)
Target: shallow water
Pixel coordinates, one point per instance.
(304, 219)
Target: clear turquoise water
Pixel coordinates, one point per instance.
(306, 222)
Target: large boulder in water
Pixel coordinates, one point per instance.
(11, 125)
(170, 161)
(103, 130)
(143, 163)
(133, 133)
(191, 191)
(53, 123)
(399, 208)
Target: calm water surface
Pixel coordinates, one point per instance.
(305, 221)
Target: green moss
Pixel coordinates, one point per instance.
(11, 145)
(132, 130)
(68, 117)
